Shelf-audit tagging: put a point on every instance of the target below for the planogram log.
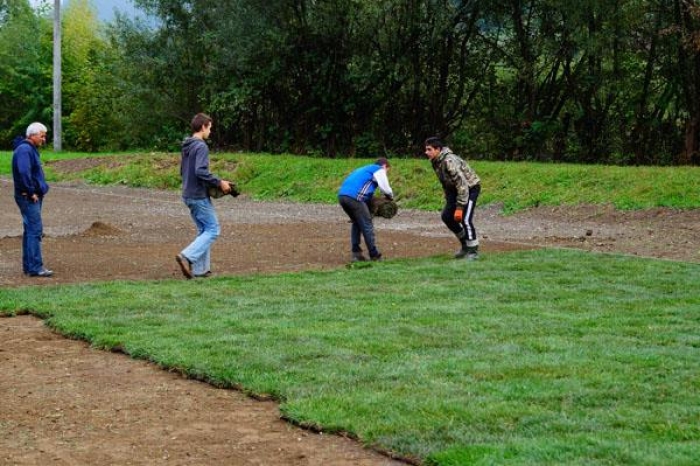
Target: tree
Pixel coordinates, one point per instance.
(25, 68)
(598, 81)
(687, 32)
(90, 88)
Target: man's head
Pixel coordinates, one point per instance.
(433, 147)
(383, 162)
(201, 123)
(36, 134)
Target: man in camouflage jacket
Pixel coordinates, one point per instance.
(462, 186)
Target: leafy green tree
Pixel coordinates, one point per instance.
(686, 32)
(437, 60)
(330, 75)
(161, 71)
(599, 81)
(285, 65)
(25, 68)
(90, 88)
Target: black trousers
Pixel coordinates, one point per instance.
(464, 230)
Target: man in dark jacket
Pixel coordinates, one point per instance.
(30, 189)
(194, 260)
(461, 186)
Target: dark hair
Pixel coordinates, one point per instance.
(434, 142)
(383, 161)
(199, 121)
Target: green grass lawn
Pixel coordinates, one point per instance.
(525, 358)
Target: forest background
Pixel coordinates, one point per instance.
(585, 81)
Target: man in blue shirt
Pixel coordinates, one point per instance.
(30, 189)
(354, 196)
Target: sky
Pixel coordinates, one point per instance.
(105, 8)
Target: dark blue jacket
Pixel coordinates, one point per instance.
(27, 171)
(194, 169)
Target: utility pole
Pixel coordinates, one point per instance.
(57, 130)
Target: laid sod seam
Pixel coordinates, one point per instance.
(530, 357)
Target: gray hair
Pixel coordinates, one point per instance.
(36, 128)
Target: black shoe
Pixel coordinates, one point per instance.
(471, 253)
(44, 273)
(185, 266)
(377, 258)
(203, 275)
(358, 257)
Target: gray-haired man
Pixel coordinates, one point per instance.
(30, 189)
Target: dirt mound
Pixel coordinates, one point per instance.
(100, 229)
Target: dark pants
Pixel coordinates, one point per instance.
(361, 224)
(32, 261)
(464, 230)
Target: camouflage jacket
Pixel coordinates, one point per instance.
(455, 175)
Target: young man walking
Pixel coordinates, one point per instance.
(195, 259)
(461, 186)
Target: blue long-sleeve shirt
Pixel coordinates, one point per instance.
(27, 172)
(363, 181)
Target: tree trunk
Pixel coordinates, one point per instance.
(690, 150)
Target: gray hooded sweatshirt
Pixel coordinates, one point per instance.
(194, 169)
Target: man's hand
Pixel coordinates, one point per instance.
(459, 215)
(225, 186)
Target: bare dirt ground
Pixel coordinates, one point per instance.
(64, 403)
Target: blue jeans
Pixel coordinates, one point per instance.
(361, 224)
(204, 218)
(33, 231)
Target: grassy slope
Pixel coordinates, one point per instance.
(515, 185)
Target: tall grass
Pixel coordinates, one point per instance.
(527, 358)
(515, 186)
